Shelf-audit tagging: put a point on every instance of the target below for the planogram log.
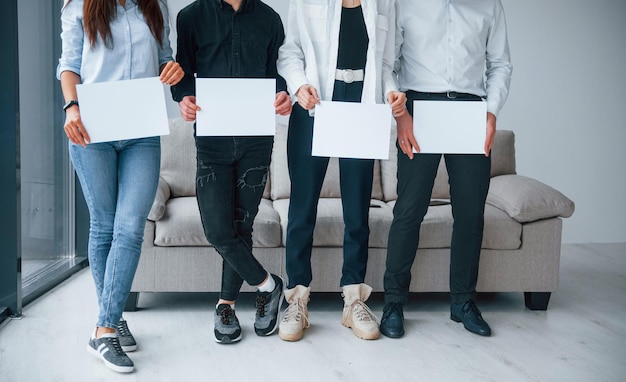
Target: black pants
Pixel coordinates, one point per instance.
(469, 177)
(307, 175)
(230, 178)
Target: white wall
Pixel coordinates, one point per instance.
(567, 105)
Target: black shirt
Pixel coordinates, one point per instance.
(214, 41)
(353, 39)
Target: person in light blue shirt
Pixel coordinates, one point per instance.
(111, 40)
(447, 50)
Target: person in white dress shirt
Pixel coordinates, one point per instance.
(451, 50)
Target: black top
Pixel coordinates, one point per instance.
(214, 41)
(353, 39)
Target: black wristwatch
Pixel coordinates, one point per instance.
(71, 103)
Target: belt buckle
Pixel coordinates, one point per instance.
(348, 76)
(451, 95)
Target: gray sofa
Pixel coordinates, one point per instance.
(520, 249)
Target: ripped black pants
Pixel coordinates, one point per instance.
(230, 178)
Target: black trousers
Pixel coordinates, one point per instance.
(469, 177)
(230, 178)
(307, 176)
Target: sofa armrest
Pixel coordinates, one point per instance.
(526, 199)
(163, 193)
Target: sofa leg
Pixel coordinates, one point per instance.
(131, 302)
(537, 300)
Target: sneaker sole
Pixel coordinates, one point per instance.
(361, 334)
(119, 369)
(225, 340)
(129, 349)
(291, 337)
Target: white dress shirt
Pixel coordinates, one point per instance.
(454, 45)
(309, 54)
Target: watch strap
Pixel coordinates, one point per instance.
(69, 104)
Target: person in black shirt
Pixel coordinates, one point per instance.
(232, 39)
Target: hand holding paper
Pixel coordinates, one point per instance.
(491, 133)
(283, 103)
(397, 101)
(188, 108)
(406, 138)
(171, 73)
(307, 97)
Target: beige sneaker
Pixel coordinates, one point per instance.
(296, 317)
(356, 314)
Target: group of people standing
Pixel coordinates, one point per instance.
(368, 51)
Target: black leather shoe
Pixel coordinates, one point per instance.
(468, 313)
(392, 323)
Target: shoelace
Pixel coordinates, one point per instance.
(261, 301)
(295, 312)
(227, 315)
(114, 345)
(363, 312)
(122, 329)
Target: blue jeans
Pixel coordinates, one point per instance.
(119, 181)
(230, 179)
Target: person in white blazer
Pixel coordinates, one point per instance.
(340, 50)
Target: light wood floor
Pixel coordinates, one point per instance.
(582, 336)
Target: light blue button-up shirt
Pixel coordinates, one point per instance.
(135, 53)
(454, 45)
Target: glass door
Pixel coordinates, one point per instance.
(46, 177)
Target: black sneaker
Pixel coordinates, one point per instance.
(109, 350)
(267, 309)
(227, 329)
(126, 337)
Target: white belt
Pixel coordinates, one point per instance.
(349, 76)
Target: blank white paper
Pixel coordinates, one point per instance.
(118, 110)
(235, 106)
(450, 127)
(351, 130)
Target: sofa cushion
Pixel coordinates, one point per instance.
(526, 199)
(279, 172)
(503, 153)
(178, 158)
(181, 225)
(500, 231)
(329, 227)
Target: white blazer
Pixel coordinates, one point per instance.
(309, 53)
